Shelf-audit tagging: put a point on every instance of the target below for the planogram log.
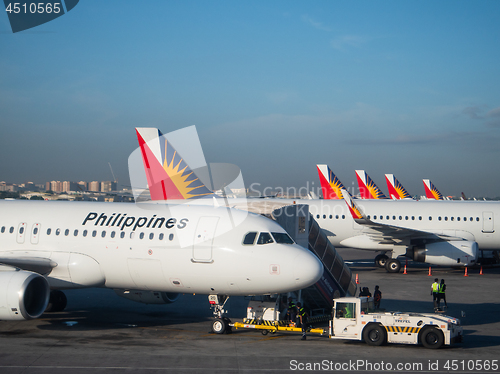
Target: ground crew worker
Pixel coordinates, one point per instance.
(434, 293)
(292, 310)
(302, 314)
(377, 296)
(442, 293)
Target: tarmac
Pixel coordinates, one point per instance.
(100, 332)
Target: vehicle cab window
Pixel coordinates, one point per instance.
(345, 310)
(249, 238)
(282, 238)
(265, 238)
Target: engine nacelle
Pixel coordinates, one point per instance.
(453, 253)
(23, 295)
(149, 297)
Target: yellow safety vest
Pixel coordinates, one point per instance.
(435, 287)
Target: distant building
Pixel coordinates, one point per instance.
(94, 186)
(82, 186)
(70, 186)
(108, 186)
(55, 186)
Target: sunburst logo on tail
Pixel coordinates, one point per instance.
(396, 189)
(355, 212)
(185, 180)
(367, 188)
(431, 192)
(169, 177)
(331, 186)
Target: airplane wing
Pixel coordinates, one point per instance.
(38, 265)
(389, 234)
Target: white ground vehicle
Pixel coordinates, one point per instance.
(355, 319)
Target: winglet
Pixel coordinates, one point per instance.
(431, 192)
(330, 185)
(396, 189)
(367, 188)
(355, 212)
(169, 176)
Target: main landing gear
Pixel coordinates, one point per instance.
(220, 324)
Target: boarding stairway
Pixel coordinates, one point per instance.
(337, 277)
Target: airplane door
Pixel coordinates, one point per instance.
(35, 233)
(21, 232)
(203, 239)
(488, 226)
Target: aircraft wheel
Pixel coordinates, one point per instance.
(432, 338)
(57, 302)
(393, 265)
(374, 335)
(380, 260)
(219, 326)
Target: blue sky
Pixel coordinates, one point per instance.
(404, 87)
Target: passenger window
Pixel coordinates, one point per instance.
(11, 230)
(160, 237)
(387, 217)
(58, 231)
(430, 218)
(413, 218)
(477, 219)
(3, 229)
(94, 234)
(66, 232)
(75, 233)
(282, 238)
(343, 216)
(35, 231)
(132, 234)
(458, 218)
(331, 216)
(317, 216)
(171, 237)
(122, 234)
(113, 234)
(264, 238)
(337, 216)
(446, 218)
(406, 218)
(21, 230)
(452, 218)
(420, 218)
(141, 235)
(439, 218)
(151, 236)
(103, 234)
(84, 233)
(249, 238)
(393, 218)
(368, 216)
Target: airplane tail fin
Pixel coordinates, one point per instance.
(355, 212)
(396, 189)
(169, 177)
(331, 186)
(431, 192)
(367, 188)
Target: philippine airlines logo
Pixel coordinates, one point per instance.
(24, 15)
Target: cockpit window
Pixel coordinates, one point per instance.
(265, 238)
(249, 238)
(282, 238)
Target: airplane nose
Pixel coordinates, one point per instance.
(307, 269)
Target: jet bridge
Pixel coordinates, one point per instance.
(337, 277)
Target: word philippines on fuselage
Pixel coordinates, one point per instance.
(123, 221)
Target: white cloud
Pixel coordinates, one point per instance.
(344, 41)
(316, 24)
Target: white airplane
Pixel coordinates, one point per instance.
(149, 252)
(447, 234)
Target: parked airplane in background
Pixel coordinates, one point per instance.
(396, 189)
(148, 252)
(367, 187)
(331, 186)
(431, 192)
(442, 234)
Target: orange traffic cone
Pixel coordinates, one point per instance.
(357, 279)
(430, 272)
(481, 271)
(466, 275)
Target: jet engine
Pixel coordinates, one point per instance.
(453, 253)
(23, 295)
(149, 297)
